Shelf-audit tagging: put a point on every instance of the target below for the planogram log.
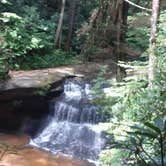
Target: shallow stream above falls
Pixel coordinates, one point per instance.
(72, 128)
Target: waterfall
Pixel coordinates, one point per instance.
(73, 128)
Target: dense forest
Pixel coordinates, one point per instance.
(128, 34)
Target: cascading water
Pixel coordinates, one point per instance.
(73, 128)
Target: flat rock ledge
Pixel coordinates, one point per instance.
(42, 78)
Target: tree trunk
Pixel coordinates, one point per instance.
(71, 22)
(120, 22)
(60, 23)
(107, 30)
(152, 57)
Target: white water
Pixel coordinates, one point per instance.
(73, 128)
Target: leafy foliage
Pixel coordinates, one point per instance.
(145, 144)
(54, 59)
(3, 64)
(26, 36)
(135, 103)
(29, 39)
(28, 32)
(138, 37)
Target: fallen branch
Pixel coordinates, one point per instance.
(138, 6)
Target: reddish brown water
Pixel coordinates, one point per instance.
(30, 156)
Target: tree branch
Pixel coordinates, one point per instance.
(143, 150)
(140, 7)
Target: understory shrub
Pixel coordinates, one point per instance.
(29, 39)
(139, 113)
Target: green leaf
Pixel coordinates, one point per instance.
(146, 134)
(153, 127)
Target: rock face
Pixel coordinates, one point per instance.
(26, 94)
(29, 156)
(41, 78)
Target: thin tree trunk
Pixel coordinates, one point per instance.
(152, 57)
(162, 149)
(71, 22)
(60, 39)
(59, 28)
(121, 22)
(119, 30)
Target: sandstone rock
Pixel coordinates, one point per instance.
(41, 78)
